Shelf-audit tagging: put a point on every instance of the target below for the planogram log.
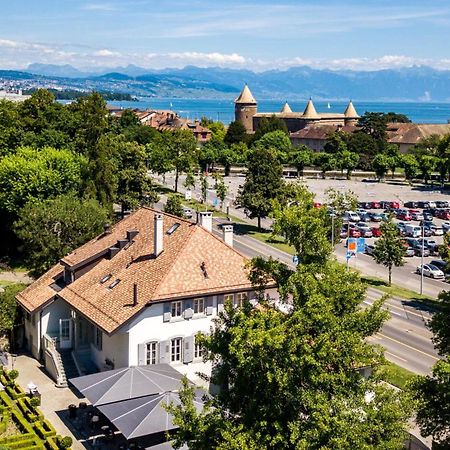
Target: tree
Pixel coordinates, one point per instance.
(236, 133)
(52, 228)
(336, 143)
(128, 119)
(427, 164)
(269, 124)
(326, 162)
(133, 185)
(392, 117)
(380, 165)
(221, 190)
(365, 146)
(217, 128)
(410, 165)
(236, 154)
(300, 156)
(432, 391)
(8, 310)
(339, 202)
(347, 160)
(209, 154)
(159, 158)
(32, 174)
(374, 124)
(389, 249)
(303, 226)
(204, 187)
(394, 158)
(290, 380)
(173, 206)
(277, 140)
(189, 182)
(263, 183)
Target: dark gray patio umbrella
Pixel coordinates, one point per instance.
(128, 383)
(146, 415)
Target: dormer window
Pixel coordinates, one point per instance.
(173, 228)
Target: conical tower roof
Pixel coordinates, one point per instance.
(286, 108)
(246, 96)
(350, 111)
(310, 111)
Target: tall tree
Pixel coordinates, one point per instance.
(269, 124)
(347, 161)
(326, 162)
(380, 165)
(50, 229)
(410, 165)
(336, 143)
(365, 146)
(374, 124)
(263, 183)
(221, 190)
(394, 159)
(236, 133)
(173, 206)
(300, 157)
(389, 249)
(432, 392)
(290, 380)
(277, 140)
(303, 226)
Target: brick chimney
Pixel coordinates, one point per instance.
(228, 234)
(206, 220)
(158, 234)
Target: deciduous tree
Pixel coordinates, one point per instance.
(173, 206)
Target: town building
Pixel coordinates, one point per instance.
(136, 295)
(405, 135)
(167, 120)
(15, 96)
(246, 112)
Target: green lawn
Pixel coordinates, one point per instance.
(397, 291)
(395, 375)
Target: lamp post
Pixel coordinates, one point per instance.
(332, 230)
(421, 259)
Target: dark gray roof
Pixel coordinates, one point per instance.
(127, 383)
(144, 416)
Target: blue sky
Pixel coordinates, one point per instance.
(254, 34)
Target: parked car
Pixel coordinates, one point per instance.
(413, 230)
(394, 205)
(401, 228)
(403, 214)
(416, 214)
(369, 249)
(440, 264)
(351, 216)
(409, 252)
(375, 205)
(411, 205)
(442, 204)
(354, 232)
(376, 232)
(431, 245)
(365, 216)
(343, 233)
(364, 229)
(431, 211)
(317, 205)
(427, 216)
(384, 204)
(418, 250)
(364, 205)
(429, 270)
(445, 226)
(375, 217)
(437, 230)
(443, 214)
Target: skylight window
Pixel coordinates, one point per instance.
(173, 228)
(114, 284)
(105, 278)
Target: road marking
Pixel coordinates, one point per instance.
(408, 346)
(406, 311)
(395, 356)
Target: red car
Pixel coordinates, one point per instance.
(375, 205)
(394, 205)
(317, 205)
(376, 232)
(353, 232)
(443, 214)
(404, 215)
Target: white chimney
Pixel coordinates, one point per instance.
(158, 234)
(206, 220)
(228, 234)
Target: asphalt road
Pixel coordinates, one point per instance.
(405, 337)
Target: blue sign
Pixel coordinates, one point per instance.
(349, 255)
(361, 245)
(295, 259)
(215, 202)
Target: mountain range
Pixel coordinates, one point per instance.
(418, 83)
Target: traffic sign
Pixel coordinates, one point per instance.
(351, 245)
(361, 245)
(350, 255)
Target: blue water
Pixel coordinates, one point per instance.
(223, 110)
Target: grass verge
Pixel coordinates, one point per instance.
(398, 291)
(393, 374)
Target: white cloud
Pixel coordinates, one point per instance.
(105, 7)
(208, 58)
(106, 53)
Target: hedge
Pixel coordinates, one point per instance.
(31, 414)
(44, 429)
(51, 443)
(15, 391)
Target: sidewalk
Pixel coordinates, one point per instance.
(53, 399)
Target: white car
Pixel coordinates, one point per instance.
(431, 271)
(351, 216)
(446, 226)
(437, 231)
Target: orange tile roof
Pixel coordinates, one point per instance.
(175, 273)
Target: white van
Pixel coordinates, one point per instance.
(413, 230)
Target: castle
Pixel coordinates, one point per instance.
(246, 112)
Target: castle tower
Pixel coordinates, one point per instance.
(245, 107)
(310, 114)
(286, 108)
(350, 114)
